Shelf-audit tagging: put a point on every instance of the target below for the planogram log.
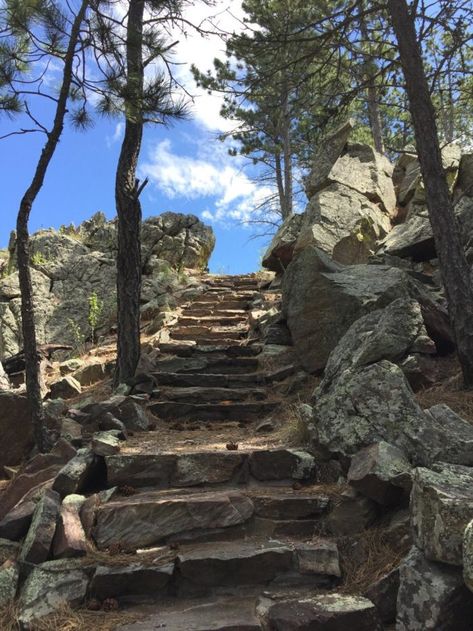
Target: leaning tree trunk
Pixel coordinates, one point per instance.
(32, 358)
(453, 265)
(127, 193)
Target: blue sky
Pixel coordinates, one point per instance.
(188, 167)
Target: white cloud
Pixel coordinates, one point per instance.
(116, 136)
(235, 196)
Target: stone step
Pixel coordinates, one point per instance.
(218, 613)
(147, 519)
(205, 380)
(211, 363)
(190, 348)
(197, 333)
(200, 568)
(222, 302)
(199, 395)
(211, 342)
(213, 467)
(217, 320)
(213, 311)
(242, 412)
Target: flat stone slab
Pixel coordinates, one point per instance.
(331, 612)
(131, 582)
(172, 410)
(217, 614)
(187, 469)
(289, 505)
(148, 518)
(234, 563)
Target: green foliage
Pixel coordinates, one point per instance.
(38, 259)
(94, 314)
(78, 337)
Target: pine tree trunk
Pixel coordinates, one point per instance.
(280, 184)
(453, 265)
(32, 358)
(128, 204)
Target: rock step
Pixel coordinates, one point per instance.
(199, 395)
(218, 320)
(204, 341)
(230, 613)
(205, 380)
(242, 412)
(211, 301)
(206, 467)
(230, 292)
(209, 362)
(189, 348)
(203, 567)
(214, 312)
(195, 332)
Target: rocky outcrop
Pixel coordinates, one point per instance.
(73, 265)
(321, 299)
(375, 403)
(281, 249)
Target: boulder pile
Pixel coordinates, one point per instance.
(363, 301)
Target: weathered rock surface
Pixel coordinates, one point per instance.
(281, 249)
(9, 576)
(327, 155)
(391, 333)
(441, 509)
(381, 472)
(320, 557)
(375, 403)
(383, 594)
(145, 519)
(4, 381)
(78, 473)
(65, 388)
(432, 596)
(14, 413)
(50, 586)
(331, 612)
(338, 212)
(351, 513)
(321, 300)
(131, 581)
(37, 544)
(70, 539)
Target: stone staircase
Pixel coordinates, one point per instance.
(212, 533)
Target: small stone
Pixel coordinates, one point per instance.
(105, 444)
(65, 388)
(37, 544)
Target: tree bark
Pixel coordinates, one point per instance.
(453, 265)
(128, 204)
(32, 357)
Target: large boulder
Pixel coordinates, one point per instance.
(281, 249)
(375, 403)
(432, 596)
(321, 299)
(16, 429)
(441, 509)
(326, 156)
(337, 212)
(391, 333)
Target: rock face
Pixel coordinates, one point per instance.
(281, 249)
(432, 596)
(73, 264)
(321, 300)
(4, 381)
(375, 403)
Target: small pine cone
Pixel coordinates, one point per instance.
(126, 490)
(94, 605)
(110, 604)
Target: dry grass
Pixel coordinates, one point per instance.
(451, 393)
(154, 557)
(366, 558)
(68, 619)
